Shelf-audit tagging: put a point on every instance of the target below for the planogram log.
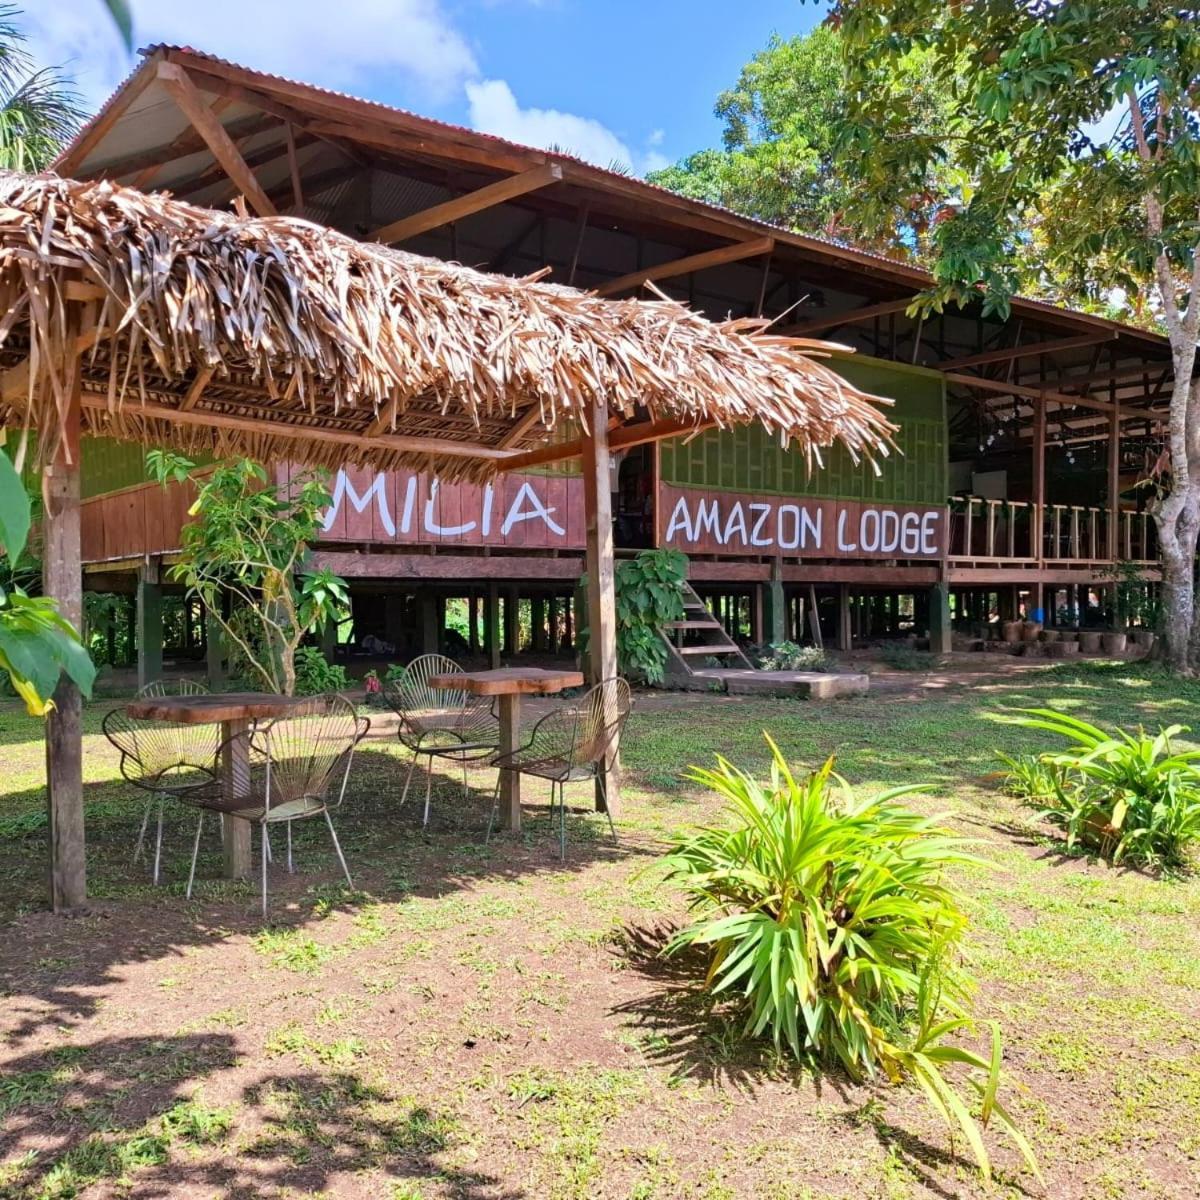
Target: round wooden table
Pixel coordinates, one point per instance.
(509, 684)
(235, 712)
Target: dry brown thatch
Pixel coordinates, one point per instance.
(294, 329)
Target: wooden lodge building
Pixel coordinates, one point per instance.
(1022, 440)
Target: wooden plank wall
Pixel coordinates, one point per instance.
(145, 519)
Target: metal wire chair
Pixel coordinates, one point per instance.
(170, 761)
(570, 744)
(288, 769)
(440, 722)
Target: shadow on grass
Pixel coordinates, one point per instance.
(132, 1113)
(53, 971)
(684, 1030)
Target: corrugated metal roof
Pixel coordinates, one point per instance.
(844, 250)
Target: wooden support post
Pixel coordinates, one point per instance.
(62, 578)
(552, 622)
(940, 641)
(491, 626)
(845, 635)
(149, 625)
(473, 623)
(512, 624)
(1038, 538)
(1112, 542)
(430, 633)
(601, 591)
(774, 610)
(537, 623)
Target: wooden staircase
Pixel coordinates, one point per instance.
(714, 642)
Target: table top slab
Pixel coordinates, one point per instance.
(211, 710)
(509, 681)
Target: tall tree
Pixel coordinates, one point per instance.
(778, 159)
(40, 110)
(1078, 116)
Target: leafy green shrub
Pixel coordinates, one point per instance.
(901, 656)
(1031, 777)
(649, 593)
(787, 656)
(316, 676)
(829, 924)
(1131, 796)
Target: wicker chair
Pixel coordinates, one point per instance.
(169, 761)
(570, 744)
(439, 722)
(295, 767)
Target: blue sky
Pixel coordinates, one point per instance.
(626, 80)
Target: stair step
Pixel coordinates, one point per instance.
(714, 651)
(694, 625)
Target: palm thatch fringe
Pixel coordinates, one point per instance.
(295, 330)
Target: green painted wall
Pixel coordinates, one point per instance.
(747, 459)
(108, 465)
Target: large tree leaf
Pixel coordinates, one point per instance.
(14, 510)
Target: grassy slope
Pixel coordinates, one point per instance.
(481, 1023)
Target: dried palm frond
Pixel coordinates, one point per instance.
(278, 339)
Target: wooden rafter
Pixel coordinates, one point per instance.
(623, 438)
(189, 142)
(1122, 374)
(523, 425)
(265, 427)
(684, 266)
(1010, 353)
(197, 389)
(185, 93)
(852, 317)
(472, 202)
(1055, 397)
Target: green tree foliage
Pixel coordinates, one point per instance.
(40, 110)
(1079, 120)
(778, 161)
(37, 644)
(248, 542)
(831, 929)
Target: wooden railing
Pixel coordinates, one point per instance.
(1002, 531)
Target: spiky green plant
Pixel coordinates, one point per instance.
(830, 923)
(1135, 797)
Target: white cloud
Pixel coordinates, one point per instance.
(495, 109)
(337, 45)
(349, 45)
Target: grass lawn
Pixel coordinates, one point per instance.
(488, 1023)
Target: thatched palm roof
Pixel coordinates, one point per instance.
(280, 339)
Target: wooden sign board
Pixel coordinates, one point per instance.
(539, 512)
(698, 521)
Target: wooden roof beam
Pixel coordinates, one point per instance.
(685, 266)
(852, 317)
(1009, 353)
(185, 93)
(623, 438)
(303, 433)
(1015, 389)
(464, 206)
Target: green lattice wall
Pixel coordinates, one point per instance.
(747, 459)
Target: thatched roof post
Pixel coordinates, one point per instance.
(62, 578)
(601, 584)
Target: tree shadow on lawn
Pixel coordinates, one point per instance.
(132, 1112)
(55, 970)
